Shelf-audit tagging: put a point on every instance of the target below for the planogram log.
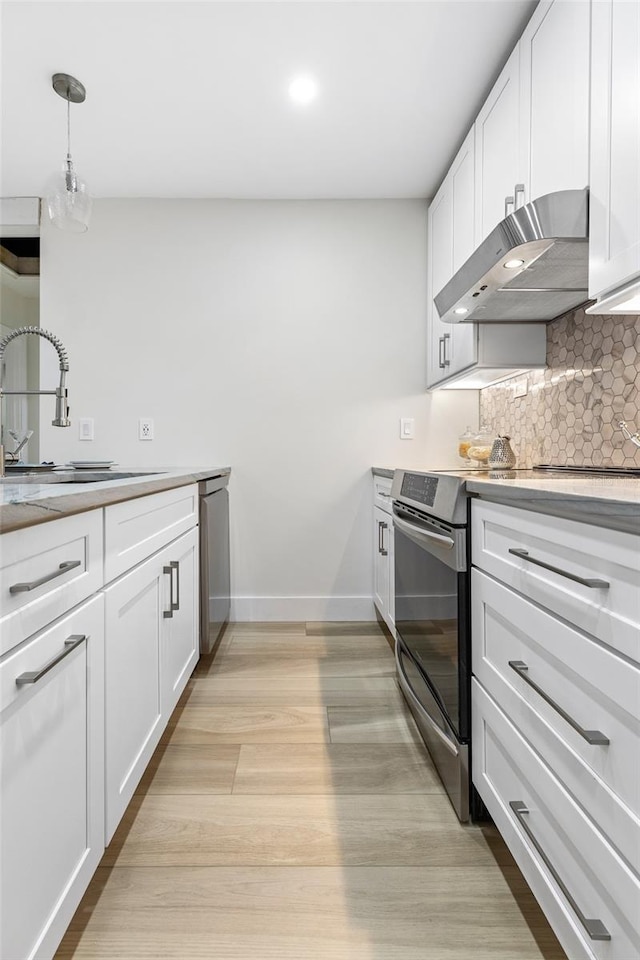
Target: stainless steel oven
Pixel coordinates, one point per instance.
(432, 614)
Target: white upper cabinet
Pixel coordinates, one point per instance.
(614, 233)
(554, 99)
(497, 155)
(532, 134)
(450, 243)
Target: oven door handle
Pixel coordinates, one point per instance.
(448, 743)
(421, 535)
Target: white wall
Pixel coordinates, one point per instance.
(285, 339)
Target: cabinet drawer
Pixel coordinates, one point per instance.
(52, 775)
(587, 683)
(577, 870)
(136, 529)
(45, 571)
(609, 608)
(382, 493)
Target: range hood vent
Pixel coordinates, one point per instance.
(532, 266)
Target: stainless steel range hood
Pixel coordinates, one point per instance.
(532, 266)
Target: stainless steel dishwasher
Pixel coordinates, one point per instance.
(215, 587)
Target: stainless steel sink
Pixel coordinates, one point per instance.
(77, 476)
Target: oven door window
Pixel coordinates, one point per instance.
(431, 615)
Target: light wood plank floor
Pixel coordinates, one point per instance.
(292, 812)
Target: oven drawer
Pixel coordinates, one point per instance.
(519, 547)
(515, 645)
(567, 862)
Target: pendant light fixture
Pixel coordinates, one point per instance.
(68, 201)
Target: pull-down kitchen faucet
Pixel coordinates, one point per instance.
(62, 407)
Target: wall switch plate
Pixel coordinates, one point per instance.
(85, 429)
(407, 428)
(145, 428)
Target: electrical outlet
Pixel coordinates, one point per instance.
(85, 429)
(145, 428)
(520, 388)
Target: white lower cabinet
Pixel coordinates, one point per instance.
(555, 716)
(179, 632)
(384, 591)
(52, 780)
(588, 892)
(151, 650)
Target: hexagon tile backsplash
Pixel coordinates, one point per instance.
(571, 412)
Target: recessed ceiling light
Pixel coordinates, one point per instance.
(513, 264)
(303, 90)
(460, 311)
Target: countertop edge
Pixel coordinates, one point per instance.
(382, 472)
(30, 513)
(609, 513)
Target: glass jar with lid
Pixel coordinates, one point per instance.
(480, 447)
(464, 442)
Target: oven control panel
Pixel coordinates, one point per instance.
(420, 487)
(441, 495)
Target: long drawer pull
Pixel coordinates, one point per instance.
(591, 736)
(70, 644)
(585, 581)
(595, 928)
(63, 568)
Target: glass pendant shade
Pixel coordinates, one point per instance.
(68, 200)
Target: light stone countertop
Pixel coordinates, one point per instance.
(27, 504)
(612, 502)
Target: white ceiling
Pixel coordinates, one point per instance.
(189, 99)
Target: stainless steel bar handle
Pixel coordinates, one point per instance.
(414, 531)
(595, 928)
(509, 202)
(591, 736)
(519, 191)
(175, 564)
(168, 614)
(585, 581)
(70, 644)
(63, 568)
(446, 338)
(383, 527)
(441, 362)
(406, 686)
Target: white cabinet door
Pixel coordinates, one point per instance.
(134, 606)
(381, 525)
(614, 216)
(179, 653)
(497, 157)
(464, 340)
(439, 272)
(554, 99)
(52, 780)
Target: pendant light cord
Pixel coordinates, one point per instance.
(68, 129)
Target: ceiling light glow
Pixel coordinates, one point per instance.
(461, 311)
(303, 90)
(513, 264)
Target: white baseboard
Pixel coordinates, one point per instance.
(301, 609)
